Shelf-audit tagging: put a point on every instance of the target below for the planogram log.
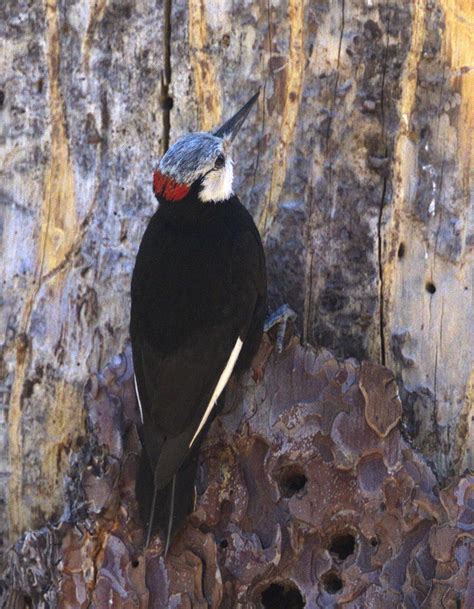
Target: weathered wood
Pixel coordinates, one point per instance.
(428, 258)
(82, 131)
(357, 167)
(300, 503)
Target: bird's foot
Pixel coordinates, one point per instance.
(279, 321)
(276, 330)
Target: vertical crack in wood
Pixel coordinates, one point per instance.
(382, 204)
(308, 333)
(438, 349)
(166, 100)
(436, 425)
(381, 275)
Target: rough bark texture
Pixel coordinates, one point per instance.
(307, 496)
(357, 167)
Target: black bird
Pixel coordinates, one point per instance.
(198, 309)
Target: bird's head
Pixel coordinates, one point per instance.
(202, 160)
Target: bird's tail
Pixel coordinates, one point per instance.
(163, 510)
(170, 515)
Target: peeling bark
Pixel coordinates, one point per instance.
(303, 500)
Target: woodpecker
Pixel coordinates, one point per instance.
(199, 300)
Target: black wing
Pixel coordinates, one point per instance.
(175, 390)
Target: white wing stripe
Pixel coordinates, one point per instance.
(138, 397)
(220, 386)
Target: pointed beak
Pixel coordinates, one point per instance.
(231, 127)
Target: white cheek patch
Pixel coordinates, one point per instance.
(217, 185)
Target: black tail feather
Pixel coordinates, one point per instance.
(163, 510)
(170, 515)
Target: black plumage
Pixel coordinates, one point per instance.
(199, 284)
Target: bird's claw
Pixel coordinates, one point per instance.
(279, 318)
(275, 332)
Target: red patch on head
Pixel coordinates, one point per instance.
(164, 186)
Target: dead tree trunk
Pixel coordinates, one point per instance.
(307, 496)
(357, 168)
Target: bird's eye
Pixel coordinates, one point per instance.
(220, 162)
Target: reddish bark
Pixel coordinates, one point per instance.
(307, 496)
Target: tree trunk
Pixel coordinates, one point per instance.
(357, 167)
(306, 496)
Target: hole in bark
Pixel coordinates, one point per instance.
(430, 287)
(27, 601)
(342, 545)
(226, 508)
(291, 480)
(135, 563)
(374, 542)
(225, 40)
(332, 582)
(167, 103)
(2, 99)
(401, 250)
(224, 544)
(284, 595)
